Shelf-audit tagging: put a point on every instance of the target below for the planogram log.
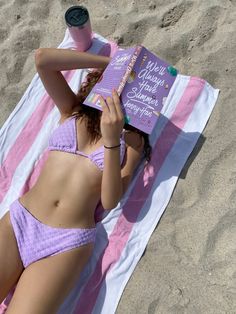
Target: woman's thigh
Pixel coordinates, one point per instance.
(11, 266)
(44, 284)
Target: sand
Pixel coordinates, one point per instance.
(189, 264)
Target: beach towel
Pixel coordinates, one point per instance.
(122, 233)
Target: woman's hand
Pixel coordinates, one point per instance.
(112, 119)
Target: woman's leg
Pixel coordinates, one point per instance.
(44, 284)
(11, 266)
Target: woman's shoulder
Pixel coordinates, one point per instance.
(74, 113)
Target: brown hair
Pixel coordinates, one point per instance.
(92, 115)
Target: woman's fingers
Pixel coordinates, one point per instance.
(112, 106)
(116, 98)
(105, 108)
(112, 119)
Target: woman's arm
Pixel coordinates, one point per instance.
(111, 179)
(55, 59)
(115, 181)
(51, 61)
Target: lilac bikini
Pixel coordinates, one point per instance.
(37, 240)
(64, 138)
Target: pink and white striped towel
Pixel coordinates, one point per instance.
(123, 233)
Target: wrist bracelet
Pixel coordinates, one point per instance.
(112, 146)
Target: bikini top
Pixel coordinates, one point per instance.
(64, 138)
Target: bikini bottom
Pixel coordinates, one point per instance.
(36, 240)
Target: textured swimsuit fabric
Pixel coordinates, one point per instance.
(64, 139)
(36, 240)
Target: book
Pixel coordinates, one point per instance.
(143, 82)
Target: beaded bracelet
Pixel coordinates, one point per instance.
(112, 146)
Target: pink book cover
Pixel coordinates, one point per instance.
(143, 82)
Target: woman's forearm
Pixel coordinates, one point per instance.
(111, 191)
(66, 59)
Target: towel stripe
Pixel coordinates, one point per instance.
(25, 140)
(119, 237)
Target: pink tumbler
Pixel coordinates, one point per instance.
(77, 20)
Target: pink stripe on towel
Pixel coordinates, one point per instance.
(25, 140)
(123, 228)
(31, 180)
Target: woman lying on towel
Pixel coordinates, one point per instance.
(47, 236)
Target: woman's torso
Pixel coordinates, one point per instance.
(68, 188)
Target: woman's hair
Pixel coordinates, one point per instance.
(92, 116)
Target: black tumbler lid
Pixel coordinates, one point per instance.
(76, 16)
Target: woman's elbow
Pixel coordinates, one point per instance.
(39, 58)
(109, 204)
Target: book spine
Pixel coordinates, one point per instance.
(129, 69)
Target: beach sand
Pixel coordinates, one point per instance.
(189, 265)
